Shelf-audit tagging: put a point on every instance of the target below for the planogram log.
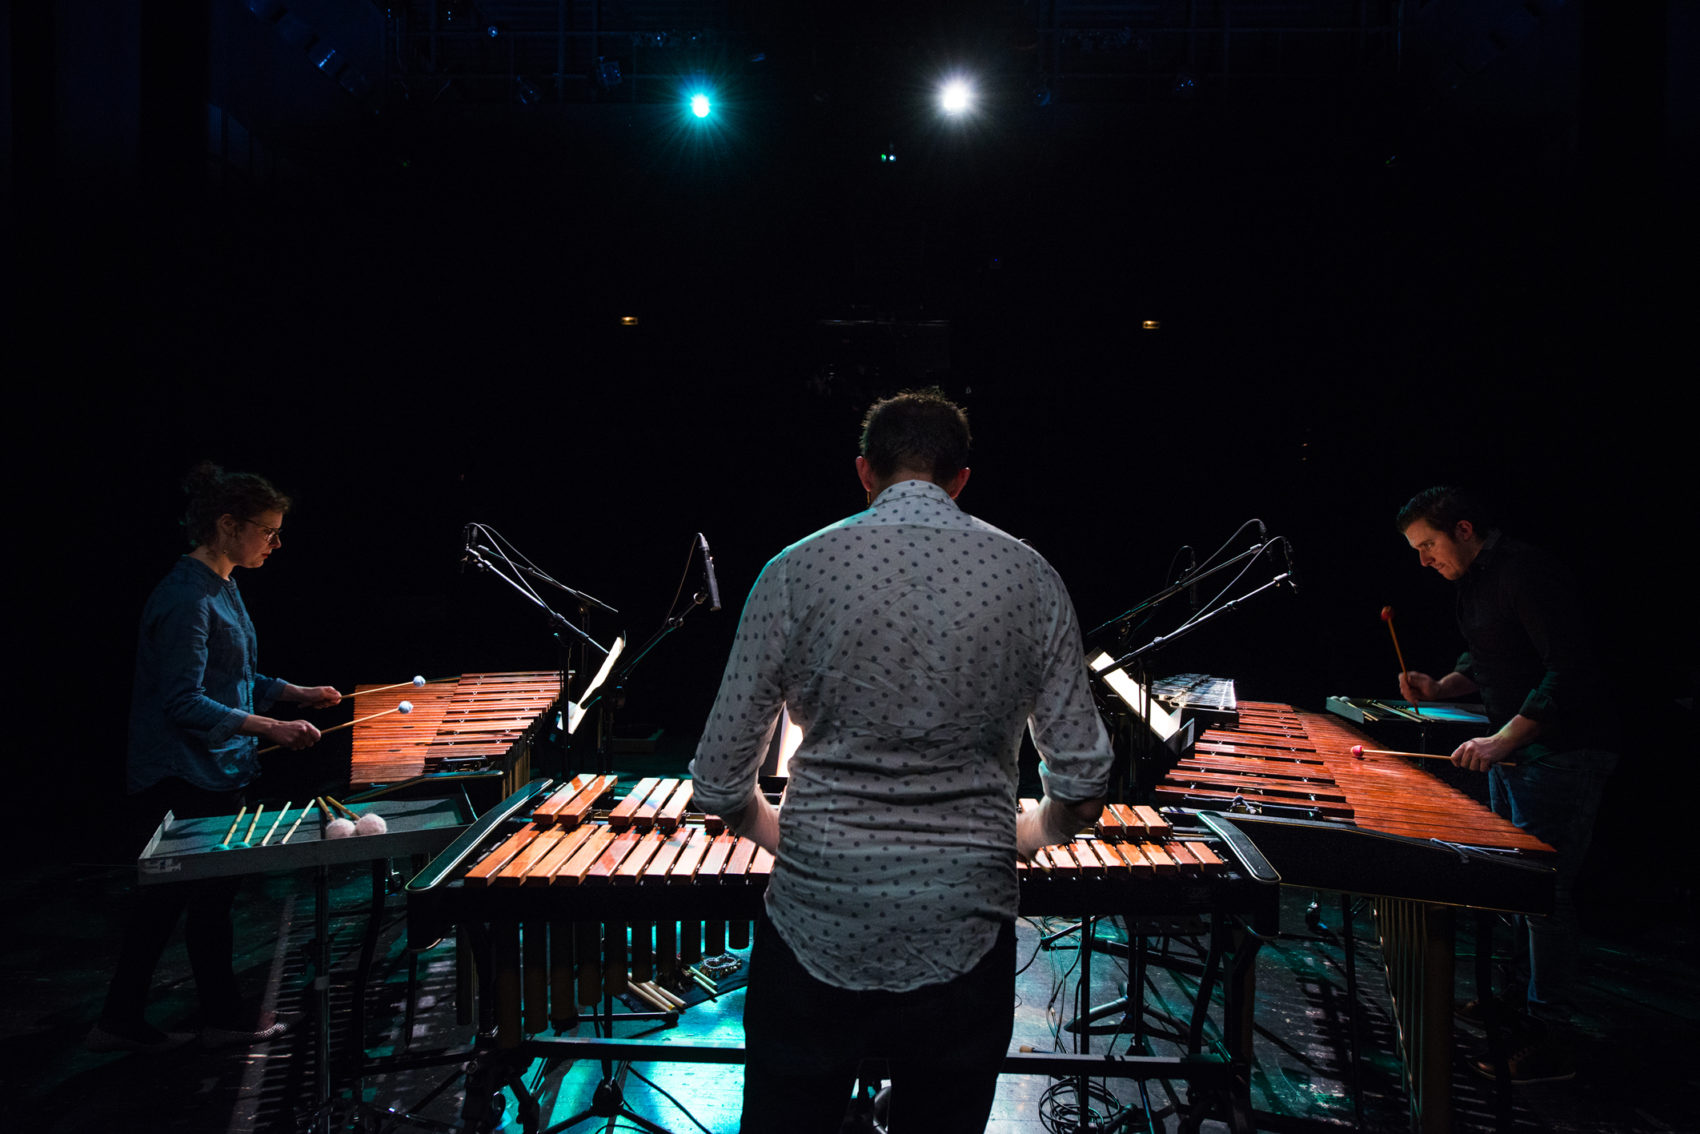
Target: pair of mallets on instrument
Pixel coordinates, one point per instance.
(370, 823)
(404, 708)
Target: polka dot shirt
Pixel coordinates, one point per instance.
(912, 643)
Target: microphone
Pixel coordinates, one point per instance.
(708, 572)
(466, 547)
(1287, 549)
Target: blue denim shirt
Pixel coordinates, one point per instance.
(196, 684)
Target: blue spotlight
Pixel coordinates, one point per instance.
(700, 106)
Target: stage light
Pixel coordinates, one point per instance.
(956, 97)
(700, 105)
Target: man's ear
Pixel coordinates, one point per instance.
(865, 473)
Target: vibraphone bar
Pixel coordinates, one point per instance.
(1284, 762)
(472, 723)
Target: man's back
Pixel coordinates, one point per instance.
(911, 643)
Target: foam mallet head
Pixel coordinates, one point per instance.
(404, 708)
(1357, 751)
(1387, 614)
(339, 829)
(371, 823)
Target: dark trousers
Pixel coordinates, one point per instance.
(804, 1040)
(156, 909)
(1555, 799)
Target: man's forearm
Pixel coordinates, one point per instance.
(1053, 822)
(1484, 752)
(1453, 686)
(757, 820)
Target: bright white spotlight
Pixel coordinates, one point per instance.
(700, 105)
(956, 97)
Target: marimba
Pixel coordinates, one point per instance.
(678, 886)
(1297, 765)
(564, 895)
(477, 722)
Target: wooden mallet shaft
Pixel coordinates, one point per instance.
(1359, 752)
(417, 683)
(272, 830)
(234, 823)
(1387, 617)
(305, 807)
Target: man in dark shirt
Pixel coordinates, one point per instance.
(1528, 658)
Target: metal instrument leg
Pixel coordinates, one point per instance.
(1348, 943)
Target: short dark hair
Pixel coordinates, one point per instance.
(917, 430)
(214, 493)
(1443, 506)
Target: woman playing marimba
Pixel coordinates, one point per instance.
(193, 737)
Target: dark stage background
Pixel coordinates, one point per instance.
(402, 304)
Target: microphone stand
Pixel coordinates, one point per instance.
(1164, 639)
(557, 622)
(617, 680)
(1130, 1007)
(1175, 588)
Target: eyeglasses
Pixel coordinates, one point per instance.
(273, 535)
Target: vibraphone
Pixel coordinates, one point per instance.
(573, 896)
(1209, 700)
(1284, 762)
(477, 722)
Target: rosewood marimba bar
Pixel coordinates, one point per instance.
(472, 723)
(1301, 765)
(576, 890)
(1298, 765)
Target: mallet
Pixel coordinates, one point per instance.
(404, 708)
(417, 683)
(1387, 617)
(1359, 752)
(306, 807)
(234, 823)
(272, 830)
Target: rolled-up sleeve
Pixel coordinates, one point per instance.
(1073, 745)
(728, 759)
(266, 691)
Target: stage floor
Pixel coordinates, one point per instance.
(1642, 1026)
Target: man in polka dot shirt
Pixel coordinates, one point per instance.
(912, 643)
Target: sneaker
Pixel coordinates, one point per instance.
(266, 1027)
(1541, 1060)
(145, 1037)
